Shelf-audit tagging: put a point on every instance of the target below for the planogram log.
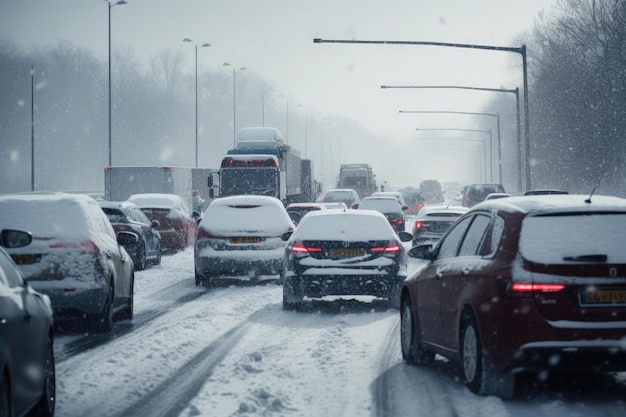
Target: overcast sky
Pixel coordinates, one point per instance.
(274, 39)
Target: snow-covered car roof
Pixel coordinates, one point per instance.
(554, 203)
(355, 225)
(246, 214)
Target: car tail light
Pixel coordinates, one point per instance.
(204, 234)
(299, 250)
(525, 289)
(392, 249)
(87, 245)
(399, 221)
(418, 225)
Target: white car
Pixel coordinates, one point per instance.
(240, 236)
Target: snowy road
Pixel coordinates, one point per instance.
(233, 351)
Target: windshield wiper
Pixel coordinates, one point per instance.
(587, 258)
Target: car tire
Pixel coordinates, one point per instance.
(480, 375)
(128, 312)
(103, 322)
(45, 405)
(291, 299)
(412, 351)
(140, 265)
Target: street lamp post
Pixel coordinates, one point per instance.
(471, 130)
(120, 2)
(520, 50)
(226, 64)
(498, 90)
(204, 45)
(496, 115)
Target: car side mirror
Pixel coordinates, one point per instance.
(421, 252)
(155, 224)
(405, 208)
(405, 236)
(15, 238)
(127, 238)
(285, 236)
(354, 206)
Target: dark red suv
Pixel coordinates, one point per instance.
(522, 284)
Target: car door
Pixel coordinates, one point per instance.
(461, 273)
(21, 327)
(147, 230)
(429, 284)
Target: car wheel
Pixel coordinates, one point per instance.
(5, 396)
(128, 312)
(291, 299)
(480, 375)
(412, 351)
(140, 265)
(45, 405)
(103, 322)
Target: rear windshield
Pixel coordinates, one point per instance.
(384, 205)
(570, 238)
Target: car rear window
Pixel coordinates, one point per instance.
(384, 205)
(264, 219)
(553, 239)
(339, 226)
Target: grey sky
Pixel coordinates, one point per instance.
(274, 39)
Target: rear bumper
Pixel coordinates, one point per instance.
(210, 262)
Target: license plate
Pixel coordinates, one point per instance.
(612, 297)
(26, 259)
(245, 239)
(346, 253)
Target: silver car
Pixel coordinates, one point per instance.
(74, 258)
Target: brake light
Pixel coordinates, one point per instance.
(524, 287)
(418, 225)
(391, 250)
(300, 250)
(87, 245)
(399, 221)
(203, 233)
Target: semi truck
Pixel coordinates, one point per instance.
(263, 164)
(359, 177)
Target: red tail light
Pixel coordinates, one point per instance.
(300, 250)
(87, 245)
(391, 250)
(202, 233)
(418, 225)
(524, 289)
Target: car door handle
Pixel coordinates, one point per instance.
(438, 274)
(465, 272)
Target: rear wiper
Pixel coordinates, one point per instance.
(587, 258)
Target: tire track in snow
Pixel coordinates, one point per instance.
(173, 395)
(401, 389)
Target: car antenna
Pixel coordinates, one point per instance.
(588, 201)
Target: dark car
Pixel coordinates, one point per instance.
(522, 285)
(177, 225)
(389, 207)
(476, 193)
(297, 210)
(27, 371)
(338, 253)
(128, 217)
(433, 221)
(75, 257)
(347, 196)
